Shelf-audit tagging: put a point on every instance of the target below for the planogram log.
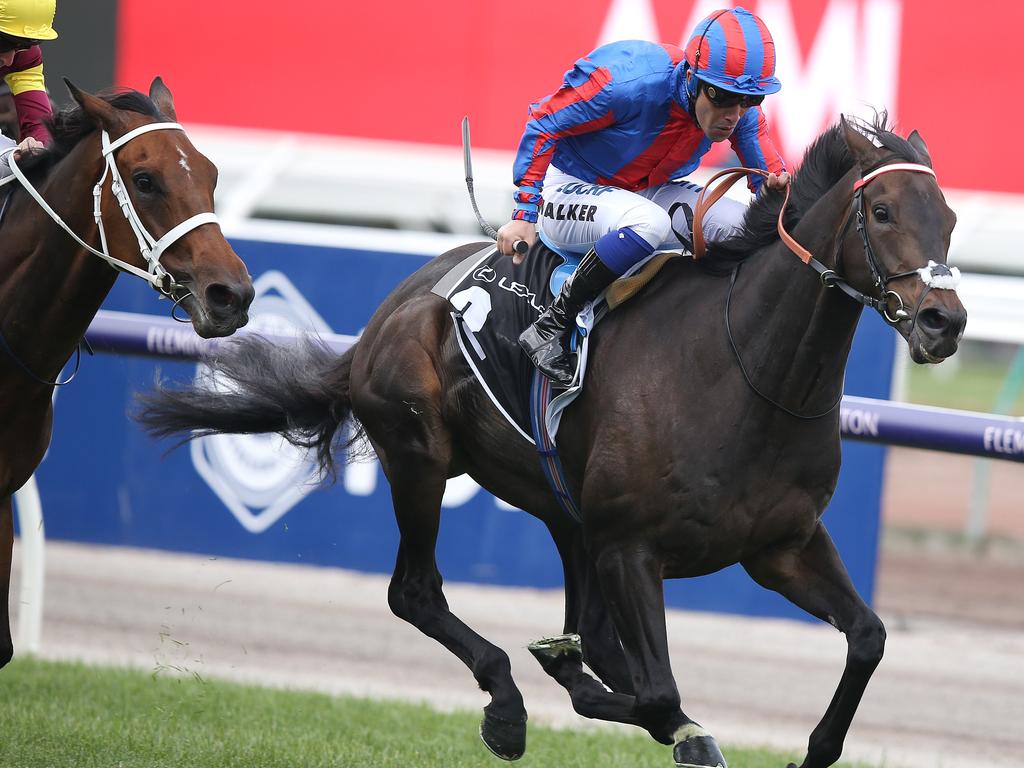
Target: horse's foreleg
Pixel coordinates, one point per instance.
(631, 582)
(632, 586)
(6, 549)
(589, 637)
(815, 579)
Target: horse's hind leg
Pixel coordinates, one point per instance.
(815, 579)
(6, 549)
(417, 484)
(398, 403)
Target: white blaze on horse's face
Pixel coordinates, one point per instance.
(184, 161)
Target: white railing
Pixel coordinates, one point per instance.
(33, 565)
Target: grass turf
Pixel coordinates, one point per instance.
(55, 714)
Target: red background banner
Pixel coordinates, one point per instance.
(409, 71)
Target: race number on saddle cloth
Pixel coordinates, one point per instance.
(493, 300)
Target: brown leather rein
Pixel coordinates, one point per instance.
(888, 304)
(732, 176)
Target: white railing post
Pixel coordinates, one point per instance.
(30, 601)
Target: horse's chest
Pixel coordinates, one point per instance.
(716, 518)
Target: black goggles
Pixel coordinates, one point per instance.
(723, 98)
(8, 43)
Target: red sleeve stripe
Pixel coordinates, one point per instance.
(593, 125)
(542, 157)
(566, 97)
(539, 163)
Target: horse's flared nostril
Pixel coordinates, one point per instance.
(938, 321)
(227, 299)
(934, 320)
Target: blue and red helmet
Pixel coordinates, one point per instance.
(734, 50)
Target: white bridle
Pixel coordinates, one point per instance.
(150, 247)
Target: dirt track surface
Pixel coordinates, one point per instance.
(950, 691)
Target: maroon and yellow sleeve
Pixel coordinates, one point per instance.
(25, 79)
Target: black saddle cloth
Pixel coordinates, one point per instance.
(493, 301)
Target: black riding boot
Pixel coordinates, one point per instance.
(546, 342)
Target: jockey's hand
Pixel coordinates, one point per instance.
(27, 147)
(777, 180)
(513, 231)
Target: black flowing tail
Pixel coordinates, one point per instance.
(300, 391)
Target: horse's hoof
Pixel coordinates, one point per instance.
(550, 649)
(505, 738)
(696, 748)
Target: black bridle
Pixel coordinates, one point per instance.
(883, 303)
(831, 279)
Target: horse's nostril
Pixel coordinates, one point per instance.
(224, 298)
(218, 295)
(933, 319)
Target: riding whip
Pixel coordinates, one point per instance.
(519, 246)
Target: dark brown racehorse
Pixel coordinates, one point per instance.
(681, 467)
(51, 287)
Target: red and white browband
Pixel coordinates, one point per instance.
(914, 167)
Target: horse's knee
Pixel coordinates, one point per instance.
(414, 601)
(867, 642)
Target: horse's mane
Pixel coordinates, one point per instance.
(69, 126)
(825, 162)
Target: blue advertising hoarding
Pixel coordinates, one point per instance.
(104, 481)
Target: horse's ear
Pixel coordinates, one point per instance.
(858, 143)
(102, 114)
(161, 96)
(918, 143)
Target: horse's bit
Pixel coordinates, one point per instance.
(150, 247)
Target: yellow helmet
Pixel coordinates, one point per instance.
(32, 19)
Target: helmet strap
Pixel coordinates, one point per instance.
(692, 92)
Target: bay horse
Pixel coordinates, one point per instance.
(52, 284)
(698, 441)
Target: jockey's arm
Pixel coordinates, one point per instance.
(755, 148)
(31, 101)
(582, 104)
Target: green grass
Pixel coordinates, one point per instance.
(975, 385)
(54, 715)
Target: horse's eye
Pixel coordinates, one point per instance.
(144, 183)
(881, 213)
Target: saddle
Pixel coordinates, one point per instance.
(494, 300)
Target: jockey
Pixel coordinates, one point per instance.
(23, 25)
(612, 147)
